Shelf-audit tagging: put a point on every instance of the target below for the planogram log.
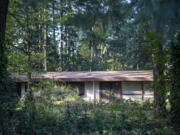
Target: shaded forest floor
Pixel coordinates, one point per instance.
(38, 117)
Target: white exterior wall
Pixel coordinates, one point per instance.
(148, 91)
(89, 94)
(132, 97)
(35, 91)
(23, 90)
(130, 90)
(133, 90)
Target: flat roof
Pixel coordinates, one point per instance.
(144, 75)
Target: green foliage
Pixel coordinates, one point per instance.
(155, 47)
(51, 92)
(128, 117)
(175, 84)
(7, 96)
(8, 101)
(89, 35)
(81, 36)
(52, 113)
(25, 37)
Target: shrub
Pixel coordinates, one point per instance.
(42, 116)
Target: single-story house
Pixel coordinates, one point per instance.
(100, 85)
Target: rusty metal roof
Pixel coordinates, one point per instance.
(90, 76)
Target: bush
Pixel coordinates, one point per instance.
(42, 116)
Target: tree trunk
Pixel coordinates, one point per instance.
(3, 67)
(40, 33)
(61, 39)
(29, 62)
(54, 29)
(68, 47)
(159, 82)
(44, 47)
(3, 59)
(175, 83)
(92, 56)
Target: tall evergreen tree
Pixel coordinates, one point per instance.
(175, 83)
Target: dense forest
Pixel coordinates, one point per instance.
(75, 36)
(90, 35)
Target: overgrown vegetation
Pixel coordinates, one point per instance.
(71, 35)
(175, 84)
(52, 113)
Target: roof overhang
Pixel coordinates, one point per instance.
(104, 76)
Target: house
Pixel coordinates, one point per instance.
(100, 85)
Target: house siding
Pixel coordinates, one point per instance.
(89, 94)
(137, 90)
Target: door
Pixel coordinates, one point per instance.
(110, 91)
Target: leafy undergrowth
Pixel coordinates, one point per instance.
(36, 117)
(60, 111)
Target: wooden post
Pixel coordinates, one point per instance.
(94, 92)
(23, 90)
(120, 91)
(142, 88)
